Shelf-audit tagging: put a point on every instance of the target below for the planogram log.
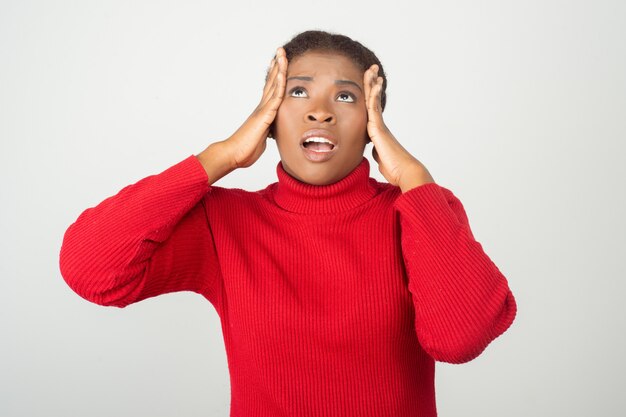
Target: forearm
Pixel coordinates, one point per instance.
(106, 251)
(462, 300)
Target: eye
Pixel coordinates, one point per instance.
(298, 92)
(346, 97)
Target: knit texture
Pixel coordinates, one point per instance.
(334, 300)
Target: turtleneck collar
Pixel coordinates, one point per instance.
(353, 190)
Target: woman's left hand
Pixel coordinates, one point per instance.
(396, 164)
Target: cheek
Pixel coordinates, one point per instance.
(363, 115)
(358, 125)
(357, 118)
(359, 111)
(284, 116)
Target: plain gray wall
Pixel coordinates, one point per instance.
(517, 107)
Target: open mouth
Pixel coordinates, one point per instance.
(318, 144)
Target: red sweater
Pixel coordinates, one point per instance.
(334, 300)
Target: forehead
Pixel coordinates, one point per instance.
(324, 63)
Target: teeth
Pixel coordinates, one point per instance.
(318, 139)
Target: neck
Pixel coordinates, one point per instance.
(353, 190)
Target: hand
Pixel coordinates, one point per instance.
(249, 141)
(396, 164)
(244, 147)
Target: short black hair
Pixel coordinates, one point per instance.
(321, 41)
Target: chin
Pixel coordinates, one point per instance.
(315, 175)
(324, 173)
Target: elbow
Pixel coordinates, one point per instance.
(96, 286)
(95, 270)
(455, 351)
(470, 342)
(85, 288)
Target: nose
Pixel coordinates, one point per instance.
(320, 113)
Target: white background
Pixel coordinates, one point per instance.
(518, 107)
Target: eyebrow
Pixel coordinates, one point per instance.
(338, 82)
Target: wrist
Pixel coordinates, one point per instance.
(217, 161)
(415, 178)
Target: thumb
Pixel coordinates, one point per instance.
(375, 155)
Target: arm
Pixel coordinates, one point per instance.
(462, 301)
(151, 238)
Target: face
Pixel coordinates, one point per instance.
(324, 102)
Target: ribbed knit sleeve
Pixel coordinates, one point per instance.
(462, 301)
(151, 238)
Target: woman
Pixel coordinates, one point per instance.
(336, 292)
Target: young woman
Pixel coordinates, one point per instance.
(336, 293)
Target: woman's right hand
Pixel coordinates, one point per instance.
(244, 147)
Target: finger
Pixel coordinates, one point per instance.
(376, 95)
(274, 67)
(371, 98)
(270, 77)
(268, 96)
(375, 123)
(269, 70)
(279, 92)
(375, 155)
(366, 87)
(281, 76)
(382, 168)
(367, 82)
(272, 82)
(276, 90)
(276, 93)
(372, 85)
